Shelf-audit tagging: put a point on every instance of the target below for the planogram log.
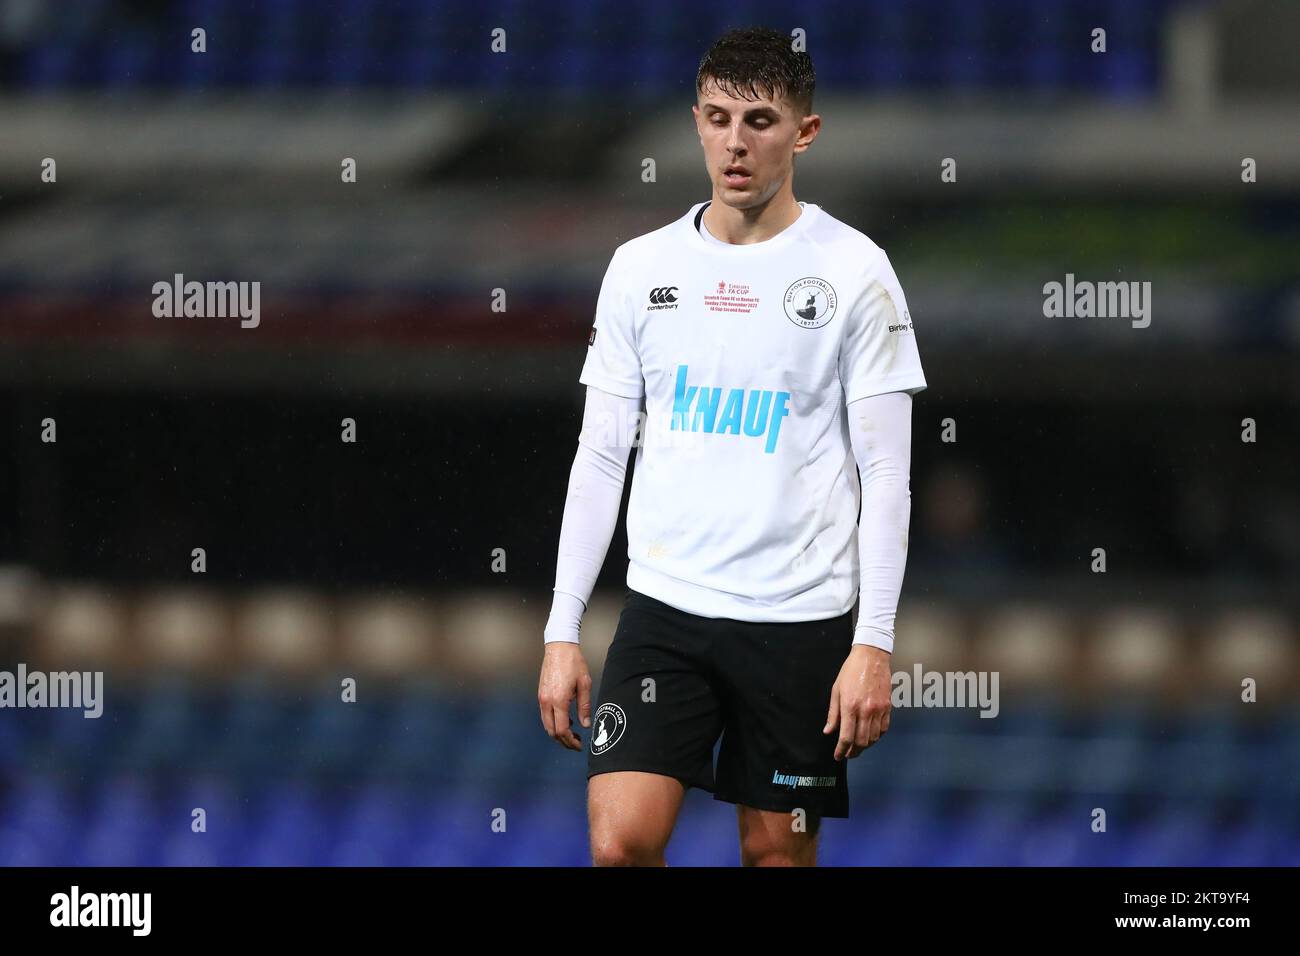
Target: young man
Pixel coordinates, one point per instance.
(774, 353)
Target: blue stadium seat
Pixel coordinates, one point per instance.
(290, 826)
(337, 736)
(122, 825)
(423, 737)
(989, 831)
(169, 727)
(39, 819)
(372, 827)
(1169, 836)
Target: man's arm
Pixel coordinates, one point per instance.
(880, 430)
(596, 480)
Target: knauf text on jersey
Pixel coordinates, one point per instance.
(707, 401)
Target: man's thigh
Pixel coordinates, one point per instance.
(656, 709)
(776, 681)
(631, 815)
(653, 729)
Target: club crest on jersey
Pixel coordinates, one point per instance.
(609, 724)
(810, 303)
(702, 409)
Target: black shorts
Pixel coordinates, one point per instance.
(674, 681)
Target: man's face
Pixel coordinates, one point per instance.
(750, 145)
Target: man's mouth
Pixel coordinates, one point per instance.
(736, 175)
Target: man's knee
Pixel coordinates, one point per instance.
(801, 852)
(769, 856)
(772, 839)
(621, 850)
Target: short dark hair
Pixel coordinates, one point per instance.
(758, 61)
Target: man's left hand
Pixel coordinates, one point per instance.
(860, 701)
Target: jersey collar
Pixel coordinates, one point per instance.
(783, 238)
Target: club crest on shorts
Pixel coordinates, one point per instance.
(810, 303)
(609, 724)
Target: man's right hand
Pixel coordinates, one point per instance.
(564, 676)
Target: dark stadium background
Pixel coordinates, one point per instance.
(523, 171)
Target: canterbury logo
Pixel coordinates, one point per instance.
(663, 295)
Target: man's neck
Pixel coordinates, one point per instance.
(757, 224)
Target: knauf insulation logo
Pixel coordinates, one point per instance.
(754, 413)
(793, 780)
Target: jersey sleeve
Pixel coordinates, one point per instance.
(878, 353)
(880, 433)
(613, 363)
